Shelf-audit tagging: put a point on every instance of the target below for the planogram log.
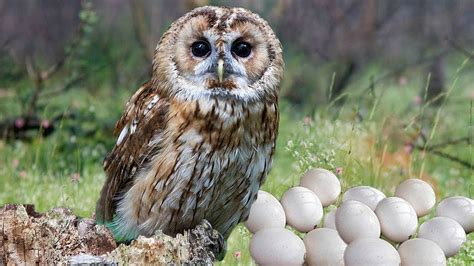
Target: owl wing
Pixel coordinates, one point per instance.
(142, 120)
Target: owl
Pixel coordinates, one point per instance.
(196, 142)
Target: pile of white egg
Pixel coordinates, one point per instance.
(367, 228)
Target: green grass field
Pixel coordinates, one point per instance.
(367, 137)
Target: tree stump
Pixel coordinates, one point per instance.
(60, 237)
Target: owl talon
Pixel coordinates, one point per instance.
(207, 244)
(222, 247)
(206, 225)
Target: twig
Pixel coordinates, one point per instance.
(38, 81)
(445, 155)
(5, 43)
(453, 158)
(434, 149)
(450, 142)
(39, 77)
(68, 85)
(459, 48)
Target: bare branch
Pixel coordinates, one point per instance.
(434, 149)
(39, 77)
(459, 48)
(446, 156)
(416, 63)
(38, 85)
(450, 142)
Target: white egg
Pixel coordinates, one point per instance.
(368, 195)
(355, 220)
(324, 247)
(371, 251)
(266, 212)
(277, 246)
(302, 208)
(418, 193)
(323, 183)
(461, 209)
(445, 232)
(330, 220)
(397, 218)
(420, 251)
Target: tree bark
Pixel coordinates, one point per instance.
(436, 87)
(60, 237)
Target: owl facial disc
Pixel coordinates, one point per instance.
(229, 53)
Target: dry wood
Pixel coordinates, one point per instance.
(60, 237)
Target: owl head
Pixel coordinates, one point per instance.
(228, 53)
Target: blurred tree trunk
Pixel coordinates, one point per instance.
(342, 81)
(191, 4)
(436, 87)
(369, 20)
(364, 39)
(278, 10)
(142, 30)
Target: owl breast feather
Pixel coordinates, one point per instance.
(212, 158)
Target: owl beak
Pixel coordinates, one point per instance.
(220, 70)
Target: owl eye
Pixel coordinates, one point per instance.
(241, 49)
(200, 48)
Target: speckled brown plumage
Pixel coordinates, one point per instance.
(191, 147)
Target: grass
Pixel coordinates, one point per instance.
(366, 137)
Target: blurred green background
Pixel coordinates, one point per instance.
(380, 90)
